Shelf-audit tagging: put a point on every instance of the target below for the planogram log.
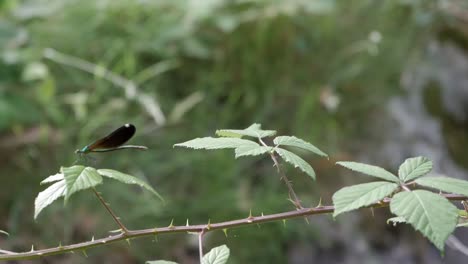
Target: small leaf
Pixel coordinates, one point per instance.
(445, 184)
(396, 220)
(431, 214)
(299, 143)
(79, 178)
(360, 195)
(4, 232)
(216, 143)
(217, 255)
(370, 170)
(252, 131)
(127, 179)
(160, 262)
(296, 161)
(413, 168)
(251, 150)
(53, 178)
(48, 196)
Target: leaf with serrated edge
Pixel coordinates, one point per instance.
(127, 179)
(53, 178)
(252, 131)
(299, 143)
(370, 170)
(79, 178)
(446, 184)
(217, 255)
(160, 262)
(413, 168)
(431, 214)
(251, 150)
(215, 143)
(360, 195)
(396, 220)
(296, 161)
(48, 196)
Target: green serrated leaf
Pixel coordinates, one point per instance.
(299, 143)
(370, 170)
(48, 196)
(413, 168)
(357, 196)
(127, 179)
(431, 214)
(250, 150)
(53, 178)
(217, 255)
(79, 178)
(396, 220)
(252, 131)
(296, 161)
(445, 184)
(160, 262)
(225, 133)
(216, 143)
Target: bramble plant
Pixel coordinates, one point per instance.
(406, 193)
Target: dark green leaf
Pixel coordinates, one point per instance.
(48, 196)
(216, 143)
(357, 196)
(252, 131)
(217, 255)
(127, 179)
(296, 161)
(370, 170)
(445, 184)
(79, 178)
(431, 214)
(299, 143)
(413, 168)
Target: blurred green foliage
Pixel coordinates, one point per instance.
(316, 69)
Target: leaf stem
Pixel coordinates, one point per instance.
(116, 218)
(292, 194)
(191, 228)
(200, 244)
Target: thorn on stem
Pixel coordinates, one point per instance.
(171, 225)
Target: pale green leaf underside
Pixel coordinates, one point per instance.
(251, 150)
(48, 196)
(299, 143)
(216, 143)
(446, 184)
(296, 161)
(252, 131)
(79, 178)
(413, 168)
(127, 179)
(370, 170)
(217, 255)
(53, 178)
(160, 262)
(434, 216)
(357, 196)
(396, 220)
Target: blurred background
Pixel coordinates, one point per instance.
(369, 81)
